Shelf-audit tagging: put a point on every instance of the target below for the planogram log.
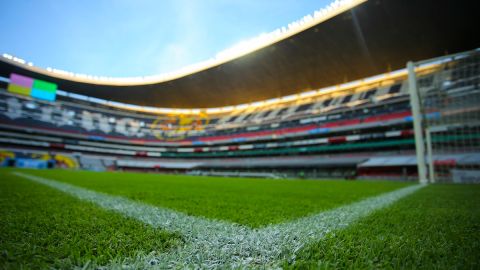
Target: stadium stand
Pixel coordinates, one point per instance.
(359, 130)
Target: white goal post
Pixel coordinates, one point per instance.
(445, 103)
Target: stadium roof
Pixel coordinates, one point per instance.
(371, 38)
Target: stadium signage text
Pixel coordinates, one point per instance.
(163, 128)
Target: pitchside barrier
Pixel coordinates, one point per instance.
(445, 101)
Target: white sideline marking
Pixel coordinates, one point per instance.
(219, 244)
(168, 219)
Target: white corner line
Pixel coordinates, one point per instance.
(219, 244)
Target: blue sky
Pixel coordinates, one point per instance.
(136, 37)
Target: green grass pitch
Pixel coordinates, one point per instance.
(41, 227)
(252, 202)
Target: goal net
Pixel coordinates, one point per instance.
(445, 99)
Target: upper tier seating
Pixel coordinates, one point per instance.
(105, 122)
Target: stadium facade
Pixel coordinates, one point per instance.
(331, 100)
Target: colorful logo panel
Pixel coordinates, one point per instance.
(176, 127)
(27, 86)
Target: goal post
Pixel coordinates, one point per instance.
(445, 104)
(417, 123)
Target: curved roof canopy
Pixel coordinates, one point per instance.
(372, 38)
